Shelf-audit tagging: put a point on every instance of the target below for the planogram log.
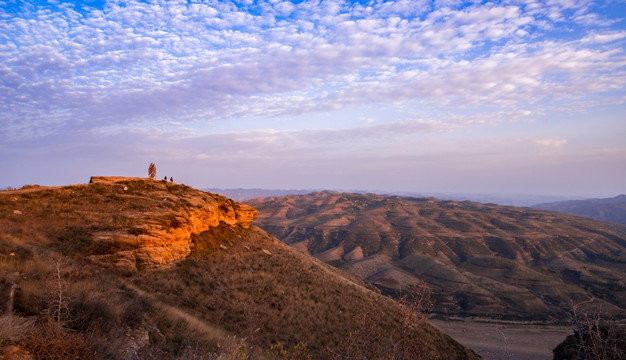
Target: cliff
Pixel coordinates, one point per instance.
(127, 223)
(163, 235)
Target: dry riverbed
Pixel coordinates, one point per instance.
(506, 341)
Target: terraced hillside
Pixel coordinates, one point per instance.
(481, 260)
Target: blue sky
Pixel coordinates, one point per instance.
(502, 97)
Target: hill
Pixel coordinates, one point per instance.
(511, 199)
(131, 268)
(481, 260)
(611, 209)
(247, 194)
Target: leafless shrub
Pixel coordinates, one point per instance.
(51, 341)
(58, 309)
(594, 338)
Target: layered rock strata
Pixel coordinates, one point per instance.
(164, 236)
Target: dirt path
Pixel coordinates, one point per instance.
(215, 334)
(577, 248)
(506, 341)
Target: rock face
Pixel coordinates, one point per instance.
(163, 235)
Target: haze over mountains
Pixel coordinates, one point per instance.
(481, 259)
(502, 199)
(611, 209)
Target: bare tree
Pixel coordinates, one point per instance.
(594, 338)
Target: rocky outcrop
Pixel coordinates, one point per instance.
(162, 235)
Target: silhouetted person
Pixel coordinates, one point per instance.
(171, 179)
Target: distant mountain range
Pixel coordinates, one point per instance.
(508, 199)
(481, 260)
(611, 209)
(248, 194)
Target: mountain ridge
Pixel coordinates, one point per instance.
(245, 194)
(605, 209)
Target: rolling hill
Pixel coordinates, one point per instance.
(481, 260)
(247, 194)
(131, 268)
(611, 209)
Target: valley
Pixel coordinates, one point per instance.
(497, 340)
(481, 260)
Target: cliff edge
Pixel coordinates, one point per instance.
(128, 223)
(162, 233)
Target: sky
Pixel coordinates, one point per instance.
(491, 97)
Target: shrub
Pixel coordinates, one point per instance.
(279, 351)
(51, 341)
(91, 313)
(594, 339)
(601, 342)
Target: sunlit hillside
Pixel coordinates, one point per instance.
(130, 268)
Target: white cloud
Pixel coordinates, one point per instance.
(151, 63)
(596, 38)
(550, 142)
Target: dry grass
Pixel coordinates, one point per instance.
(239, 295)
(270, 294)
(14, 328)
(52, 341)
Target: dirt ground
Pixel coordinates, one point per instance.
(494, 341)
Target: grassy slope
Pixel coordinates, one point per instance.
(239, 293)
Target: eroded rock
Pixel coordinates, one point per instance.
(163, 237)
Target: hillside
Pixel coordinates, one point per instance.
(131, 268)
(247, 194)
(511, 199)
(481, 260)
(611, 209)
